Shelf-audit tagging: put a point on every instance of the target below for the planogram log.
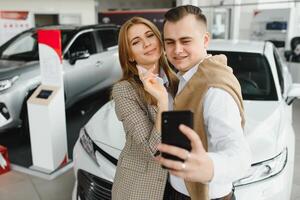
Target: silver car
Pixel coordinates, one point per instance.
(90, 64)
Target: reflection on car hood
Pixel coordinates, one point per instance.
(261, 129)
(10, 68)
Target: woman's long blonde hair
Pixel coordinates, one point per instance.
(130, 72)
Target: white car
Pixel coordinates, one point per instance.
(268, 93)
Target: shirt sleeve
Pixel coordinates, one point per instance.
(227, 145)
(136, 122)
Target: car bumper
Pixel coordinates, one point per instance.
(11, 102)
(274, 188)
(91, 179)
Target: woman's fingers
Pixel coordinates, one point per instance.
(140, 71)
(146, 75)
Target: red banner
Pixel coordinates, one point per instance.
(4, 162)
(15, 15)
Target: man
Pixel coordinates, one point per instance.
(209, 89)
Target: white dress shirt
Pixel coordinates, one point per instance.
(227, 146)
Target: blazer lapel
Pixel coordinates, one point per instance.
(152, 110)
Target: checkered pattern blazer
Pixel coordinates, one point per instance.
(138, 176)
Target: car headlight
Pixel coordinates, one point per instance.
(93, 150)
(265, 169)
(88, 145)
(5, 84)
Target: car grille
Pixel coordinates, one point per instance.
(91, 187)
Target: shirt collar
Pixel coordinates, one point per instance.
(163, 77)
(188, 75)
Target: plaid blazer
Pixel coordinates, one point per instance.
(138, 176)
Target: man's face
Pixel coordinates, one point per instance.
(185, 42)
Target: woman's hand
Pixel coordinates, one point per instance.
(152, 85)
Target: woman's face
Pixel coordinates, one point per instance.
(145, 46)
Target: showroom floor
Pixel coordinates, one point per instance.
(18, 186)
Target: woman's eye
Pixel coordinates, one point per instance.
(150, 35)
(134, 43)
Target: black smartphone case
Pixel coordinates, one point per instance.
(170, 130)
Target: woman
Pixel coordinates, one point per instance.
(138, 175)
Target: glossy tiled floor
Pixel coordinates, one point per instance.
(19, 186)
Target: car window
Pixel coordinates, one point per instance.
(254, 74)
(24, 47)
(66, 36)
(83, 43)
(279, 70)
(108, 37)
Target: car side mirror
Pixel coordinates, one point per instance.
(293, 93)
(79, 55)
(287, 55)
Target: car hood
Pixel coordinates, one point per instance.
(105, 128)
(261, 129)
(9, 68)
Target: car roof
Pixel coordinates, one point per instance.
(76, 27)
(238, 46)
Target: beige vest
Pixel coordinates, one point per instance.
(212, 72)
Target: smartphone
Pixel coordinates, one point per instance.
(170, 130)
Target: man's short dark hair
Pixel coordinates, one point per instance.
(177, 13)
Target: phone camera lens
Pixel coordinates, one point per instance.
(165, 121)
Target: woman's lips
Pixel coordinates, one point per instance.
(150, 52)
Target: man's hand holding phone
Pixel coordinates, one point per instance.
(170, 133)
(193, 165)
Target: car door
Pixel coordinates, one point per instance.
(80, 75)
(107, 57)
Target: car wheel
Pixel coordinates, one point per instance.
(24, 129)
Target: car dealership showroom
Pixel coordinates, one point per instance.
(60, 133)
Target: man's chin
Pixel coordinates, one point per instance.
(181, 68)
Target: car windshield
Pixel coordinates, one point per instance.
(24, 47)
(254, 74)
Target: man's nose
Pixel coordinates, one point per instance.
(178, 48)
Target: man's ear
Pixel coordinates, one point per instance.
(206, 39)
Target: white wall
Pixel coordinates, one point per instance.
(84, 8)
(242, 12)
(271, 4)
(105, 5)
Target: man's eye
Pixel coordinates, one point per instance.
(186, 41)
(169, 43)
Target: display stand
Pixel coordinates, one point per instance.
(46, 108)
